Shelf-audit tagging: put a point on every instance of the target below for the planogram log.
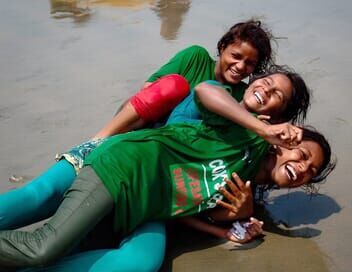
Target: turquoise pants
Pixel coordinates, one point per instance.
(40, 198)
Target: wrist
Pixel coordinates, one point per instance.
(261, 129)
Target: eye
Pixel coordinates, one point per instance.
(303, 154)
(251, 63)
(236, 56)
(279, 94)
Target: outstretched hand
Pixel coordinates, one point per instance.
(240, 198)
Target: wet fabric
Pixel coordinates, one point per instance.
(84, 205)
(143, 250)
(38, 199)
(172, 171)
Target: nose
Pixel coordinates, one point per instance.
(268, 90)
(241, 66)
(304, 166)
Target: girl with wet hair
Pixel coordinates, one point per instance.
(253, 33)
(186, 166)
(236, 61)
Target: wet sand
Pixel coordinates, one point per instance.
(65, 69)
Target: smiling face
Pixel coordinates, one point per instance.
(236, 62)
(268, 95)
(293, 167)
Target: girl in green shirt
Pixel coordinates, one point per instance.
(193, 162)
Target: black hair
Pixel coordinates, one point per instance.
(252, 32)
(329, 162)
(297, 107)
(328, 165)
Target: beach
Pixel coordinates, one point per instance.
(67, 66)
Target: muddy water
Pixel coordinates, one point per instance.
(67, 65)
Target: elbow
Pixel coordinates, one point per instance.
(200, 88)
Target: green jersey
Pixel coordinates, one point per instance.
(193, 63)
(196, 65)
(173, 171)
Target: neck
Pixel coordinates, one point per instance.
(264, 174)
(217, 73)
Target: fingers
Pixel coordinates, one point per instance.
(299, 133)
(290, 135)
(238, 181)
(231, 207)
(239, 195)
(263, 117)
(234, 189)
(254, 228)
(233, 196)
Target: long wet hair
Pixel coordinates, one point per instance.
(328, 165)
(256, 35)
(297, 107)
(329, 162)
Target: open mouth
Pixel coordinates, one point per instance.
(259, 98)
(234, 72)
(291, 172)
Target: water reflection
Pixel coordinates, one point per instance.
(124, 3)
(77, 10)
(170, 12)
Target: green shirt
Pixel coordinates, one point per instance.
(196, 65)
(173, 171)
(193, 63)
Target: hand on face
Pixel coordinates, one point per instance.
(285, 135)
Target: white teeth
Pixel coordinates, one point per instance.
(233, 71)
(291, 172)
(259, 98)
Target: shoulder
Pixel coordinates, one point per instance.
(195, 50)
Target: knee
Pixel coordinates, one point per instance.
(158, 99)
(173, 87)
(42, 258)
(23, 249)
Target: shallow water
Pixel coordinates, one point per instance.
(67, 65)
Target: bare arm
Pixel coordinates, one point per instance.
(219, 101)
(253, 231)
(125, 120)
(201, 225)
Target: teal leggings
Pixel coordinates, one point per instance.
(142, 251)
(40, 198)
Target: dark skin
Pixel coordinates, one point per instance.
(239, 205)
(241, 197)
